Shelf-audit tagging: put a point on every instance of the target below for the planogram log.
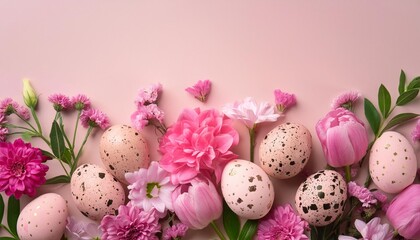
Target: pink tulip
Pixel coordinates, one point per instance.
(198, 203)
(404, 212)
(343, 137)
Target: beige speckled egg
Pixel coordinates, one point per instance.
(320, 198)
(43, 218)
(392, 162)
(247, 189)
(123, 150)
(96, 192)
(285, 150)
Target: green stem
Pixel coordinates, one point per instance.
(75, 128)
(60, 118)
(217, 230)
(348, 173)
(74, 166)
(36, 120)
(8, 125)
(251, 142)
(27, 122)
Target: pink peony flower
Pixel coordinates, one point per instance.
(251, 113)
(415, 134)
(363, 194)
(21, 168)
(60, 102)
(94, 118)
(3, 134)
(345, 100)
(80, 102)
(200, 90)
(82, 230)
(343, 138)
(9, 106)
(199, 142)
(198, 203)
(151, 188)
(130, 223)
(282, 223)
(284, 100)
(373, 230)
(176, 231)
(148, 95)
(145, 114)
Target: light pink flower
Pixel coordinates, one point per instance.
(151, 188)
(198, 203)
(82, 230)
(3, 133)
(363, 194)
(80, 102)
(94, 118)
(60, 102)
(415, 134)
(176, 231)
(200, 90)
(199, 142)
(250, 112)
(345, 100)
(130, 223)
(148, 95)
(373, 230)
(9, 106)
(145, 114)
(284, 100)
(21, 168)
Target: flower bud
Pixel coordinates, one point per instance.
(29, 95)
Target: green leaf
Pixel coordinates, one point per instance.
(27, 136)
(248, 230)
(13, 210)
(384, 100)
(57, 140)
(66, 157)
(58, 179)
(231, 222)
(407, 97)
(372, 115)
(7, 238)
(400, 118)
(401, 85)
(414, 84)
(1, 208)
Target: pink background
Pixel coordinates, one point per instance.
(108, 50)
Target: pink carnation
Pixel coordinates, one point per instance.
(200, 90)
(145, 114)
(9, 106)
(345, 100)
(94, 118)
(148, 95)
(60, 102)
(199, 141)
(80, 102)
(363, 194)
(284, 100)
(176, 231)
(415, 134)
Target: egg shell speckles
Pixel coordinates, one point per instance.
(43, 218)
(123, 150)
(392, 162)
(247, 189)
(320, 198)
(285, 150)
(96, 192)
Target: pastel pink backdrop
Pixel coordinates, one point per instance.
(109, 49)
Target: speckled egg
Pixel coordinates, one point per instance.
(247, 189)
(392, 162)
(320, 198)
(96, 192)
(43, 218)
(123, 150)
(285, 150)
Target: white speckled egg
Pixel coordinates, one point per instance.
(247, 189)
(392, 162)
(285, 150)
(43, 218)
(96, 192)
(320, 198)
(123, 150)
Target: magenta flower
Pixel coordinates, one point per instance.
(343, 137)
(9, 106)
(3, 134)
(176, 231)
(80, 102)
(373, 230)
(21, 168)
(197, 203)
(404, 212)
(282, 223)
(365, 196)
(151, 188)
(199, 142)
(415, 134)
(284, 100)
(200, 90)
(60, 102)
(130, 223)
(94, 118)
(82, 230)
(146, 114)
(345, 100)
(250, 112)
(148, 95)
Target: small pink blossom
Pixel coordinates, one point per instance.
(3, 133)
(94, 118)
(363, 194)
(9, 106)
(373, 230)
(148, 95)
(200, 90)
(80, 102)
(82, 230)
(176, 231)
(284, 100)
(60, 102)
(145, 114)
(345, 100)
(250, 112)
(415, 134)
(282, 223)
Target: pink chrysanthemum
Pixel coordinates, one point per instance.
(9, 106)
(82, 230)
(200, 90)
(415, 134)
(282, 223)
(60, 102)
(21, 168)
(94, 118)
(176, 231)
(373, 230)
(199, 141)
(80, 102)
(363, 194)
(3, 133)
(148, 95)
(284, 100)
(130, 223)
(145, 114)
(345, 100)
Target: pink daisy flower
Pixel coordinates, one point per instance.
(80, 102)
(200, 90)
(345, 100)
(9, 106)
(284, 100)
(94, 118)
(60, 101)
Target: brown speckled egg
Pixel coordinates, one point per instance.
(285, 150)
(320, 198)
(96, 192)
(247, 189)
(123, 150)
